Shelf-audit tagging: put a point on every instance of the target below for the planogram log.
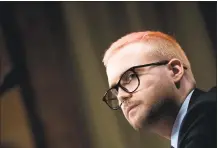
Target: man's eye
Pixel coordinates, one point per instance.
(132, 76)
(128, 78)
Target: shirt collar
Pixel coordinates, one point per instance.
(178, 121)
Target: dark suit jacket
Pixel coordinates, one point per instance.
(199, 126)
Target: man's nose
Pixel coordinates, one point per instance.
(123, 95)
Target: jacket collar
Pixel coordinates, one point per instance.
(197, 92)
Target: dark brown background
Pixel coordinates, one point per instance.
(52, 78)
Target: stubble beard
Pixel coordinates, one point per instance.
(166, 109)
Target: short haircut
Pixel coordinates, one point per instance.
(163, 46)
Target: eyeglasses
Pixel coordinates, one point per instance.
(129, 82)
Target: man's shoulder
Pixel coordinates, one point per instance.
(201, 103)
(200, 119)
(200, 97)
(204, 102)
(205, 99)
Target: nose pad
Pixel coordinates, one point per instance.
(123, 95)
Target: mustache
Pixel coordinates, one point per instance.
(128, 103)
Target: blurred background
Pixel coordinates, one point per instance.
(52, 78)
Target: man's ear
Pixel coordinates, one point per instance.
(177, 70)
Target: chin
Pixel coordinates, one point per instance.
(142, 125)
(141, 118)
(137, 127)
(138, 121)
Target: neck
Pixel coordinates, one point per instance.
(185, 89)
(161, 122)
(164, 128)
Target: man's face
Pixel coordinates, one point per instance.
(155, 87)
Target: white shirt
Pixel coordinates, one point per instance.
(178, 121)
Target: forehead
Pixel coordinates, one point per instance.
(128, 56)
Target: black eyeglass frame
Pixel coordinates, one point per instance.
(132, 69)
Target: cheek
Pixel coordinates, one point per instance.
(153, 88)
(154, 81)
(149, 81)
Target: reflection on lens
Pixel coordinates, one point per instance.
(113, 103)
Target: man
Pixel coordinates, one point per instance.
(151, 80)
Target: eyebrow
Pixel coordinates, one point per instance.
(137, 70)
(114, 84)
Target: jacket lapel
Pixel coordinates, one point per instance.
(196, 94)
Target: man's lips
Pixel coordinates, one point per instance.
(130, 108)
